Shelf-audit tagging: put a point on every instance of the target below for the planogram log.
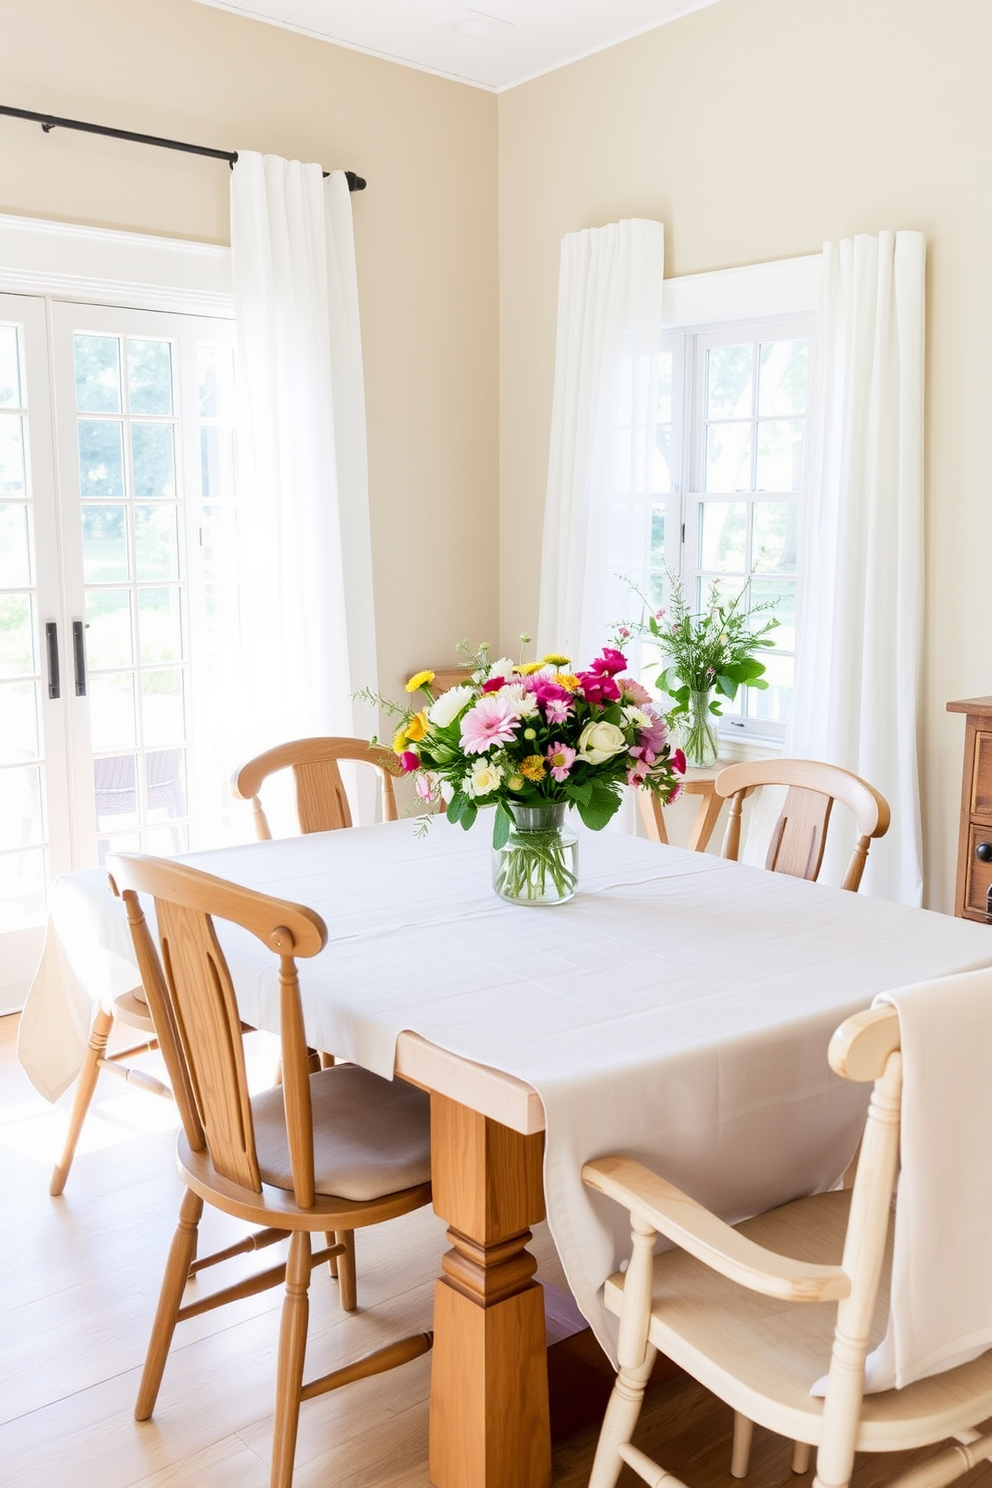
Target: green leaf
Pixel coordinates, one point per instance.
(457, 805)
(502, 823)
(602, 807)
(579, 791)
(469, 813)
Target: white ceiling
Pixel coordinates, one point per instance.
(492, 44)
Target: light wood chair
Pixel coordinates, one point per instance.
(321, 800)
(800, 833)
(329, 1152)
(729, 1307)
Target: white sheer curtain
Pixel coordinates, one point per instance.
(856, 701)
(306, 565)
(602, 451)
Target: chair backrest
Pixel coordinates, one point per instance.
(195, 1010)
(800, 833)
(321, 799)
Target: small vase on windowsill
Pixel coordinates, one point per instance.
(698, 732)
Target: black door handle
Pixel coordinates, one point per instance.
(79, 657)
(52, 642)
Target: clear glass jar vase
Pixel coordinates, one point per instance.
(539, 862)
(697, 732)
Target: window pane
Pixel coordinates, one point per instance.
(11, 456)
(165, 842)
(21, 820)
(159, 629)
(773, 541)
(15, 546)
(19, 737)
(657, 551)
(120, 842)
(153, 454)
(661, 474)
(728, 457)
(216, 463)
(98, 374)
(112, 711)
(215, 366)
(115, 786)
(782, 378)
(149, 376)
(782, 593)
(723, 531)
(10, 369)
(774, 703)
(108, 629)
(23, 876)
(218, 536)
(101, 457)
(165, 785)
(156, 546)
(16, 636)
(728, 382)
(780, 455)
(104, 544)
(664, 415)
(162, 711)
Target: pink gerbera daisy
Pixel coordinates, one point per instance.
(561, 758)
(492, 721)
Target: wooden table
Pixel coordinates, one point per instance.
(705, 987)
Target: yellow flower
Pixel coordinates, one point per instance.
(418, 680)
(532, 768)
(527, 668)
(399, 741)
(566, 680)
(417, 727)
(555, 659)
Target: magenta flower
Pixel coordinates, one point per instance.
(561, 758)
(598, 689)
(493, 720)
(678, 763)
(493, 684)
(410, 761)
(557, 710)
(611, 662)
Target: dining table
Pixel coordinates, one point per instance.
(678, 1009)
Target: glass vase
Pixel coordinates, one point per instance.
(539, 862)
(697, 733)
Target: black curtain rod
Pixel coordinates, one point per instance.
(49, 122)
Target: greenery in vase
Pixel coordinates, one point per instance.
(712, 652)
(533, 734)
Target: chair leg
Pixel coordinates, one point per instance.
(621, 1417)
(181, 1254)
(802, 1456)
(292, 1350)
(741, 1450)
(332, 1239)
(85, 1086)
(347, 1276)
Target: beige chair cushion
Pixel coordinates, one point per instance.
(371, 1136)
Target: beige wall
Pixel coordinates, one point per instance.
(756, 130)
(426, 236)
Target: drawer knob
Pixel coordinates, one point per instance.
(983, 852)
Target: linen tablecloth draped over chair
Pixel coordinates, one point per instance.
(678, 1009)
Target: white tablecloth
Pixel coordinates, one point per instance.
(678, 1009)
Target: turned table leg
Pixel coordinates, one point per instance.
(489, 1425)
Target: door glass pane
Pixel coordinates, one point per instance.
(101, 457)
(108, 629)
(15, 546)
(21, 822)
(19, 735)
(728, 457)
(782, 378)
(165, 784)
(10, 369)
(165, 842)
(11, 456)
(115, 786)
(774, 537)
(112, 711)
(159, 625)
(23, 876)
(162, 711)
(154, 460)
(728, 383)
(780, 455)
(149, 376)
(156, 546)
(120, 842)
(216, 462)
(16, 635)
(97, 362)
(723, 533)
(104, 544)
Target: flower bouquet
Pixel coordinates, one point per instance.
(532, 739)
(710, 655)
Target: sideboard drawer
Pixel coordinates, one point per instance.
(979, 879)
(981, 791)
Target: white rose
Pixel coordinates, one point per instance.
(599, 742)
(484, 779)
(502, 668)
(446, 708)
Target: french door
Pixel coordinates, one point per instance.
(118, 594)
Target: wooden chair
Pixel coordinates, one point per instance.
(321, 801)
(729, 1306)
(329, 1152)
(800, 832)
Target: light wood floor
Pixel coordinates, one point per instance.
(80, 1279)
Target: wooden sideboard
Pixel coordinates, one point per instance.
(973, 895)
